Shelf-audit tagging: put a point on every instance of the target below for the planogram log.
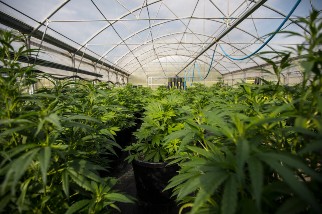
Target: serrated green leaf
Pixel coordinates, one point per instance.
(178, 179)
(199, 151)
(18, 121)
(10, 154)
(11, 131)
(113, 206)
(189, 186)
(21, 199)
(65, 183)
(289, 178)
(39, 127)
(118, 197)
(176, 135)
(53, 119)
(229, 199)
(77, 206)
(83, 117)
(242, 155)
(209, 184)
(79, 179)
(256, 173)
(295, 163)
(246, 88)
(44, 157)
(18, 169)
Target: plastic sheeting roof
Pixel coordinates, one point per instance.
(160, 37)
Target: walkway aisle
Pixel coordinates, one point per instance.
(126, 184)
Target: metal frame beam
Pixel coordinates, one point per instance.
(45, 63)
(176, 34)
(14, 23)
(233, 25)
(260, 66)
(164, 19)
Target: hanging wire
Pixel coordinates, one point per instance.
(138, 16)
(81, 59)
(201, 78)
(268, 40)
(42, 39)
(193, 73)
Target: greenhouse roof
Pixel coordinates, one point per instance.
(161, 37)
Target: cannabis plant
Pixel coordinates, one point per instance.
(161, 117)
(48, 141)
(257, 149)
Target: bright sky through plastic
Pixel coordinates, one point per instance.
(144, 35)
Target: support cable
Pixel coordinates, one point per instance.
(42, 40)
(80, 62)
(153, 46)
(268, 40)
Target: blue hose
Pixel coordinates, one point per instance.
(212, 59)
(269, 39)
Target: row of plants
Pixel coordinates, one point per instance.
(251, 148)
(57, 144)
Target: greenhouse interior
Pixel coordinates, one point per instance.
(160, 106)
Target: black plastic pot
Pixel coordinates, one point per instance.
(151, 179)
(125, 137)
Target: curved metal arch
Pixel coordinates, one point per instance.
(113, 27)
(155, 55)
(234, 25)
(175, 34)
(187, 28)
(147, 28)
(282, 14)
(195, 34)
(145, 43)
(231, 61)
(59, 43)
(134, 34)
(188, 57)
(165, 35)
(161, 52)
(218, 62)
(110, 24)
(50, 15)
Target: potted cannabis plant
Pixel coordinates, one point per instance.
(125, 112)
(259, 152)
(149, 154)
